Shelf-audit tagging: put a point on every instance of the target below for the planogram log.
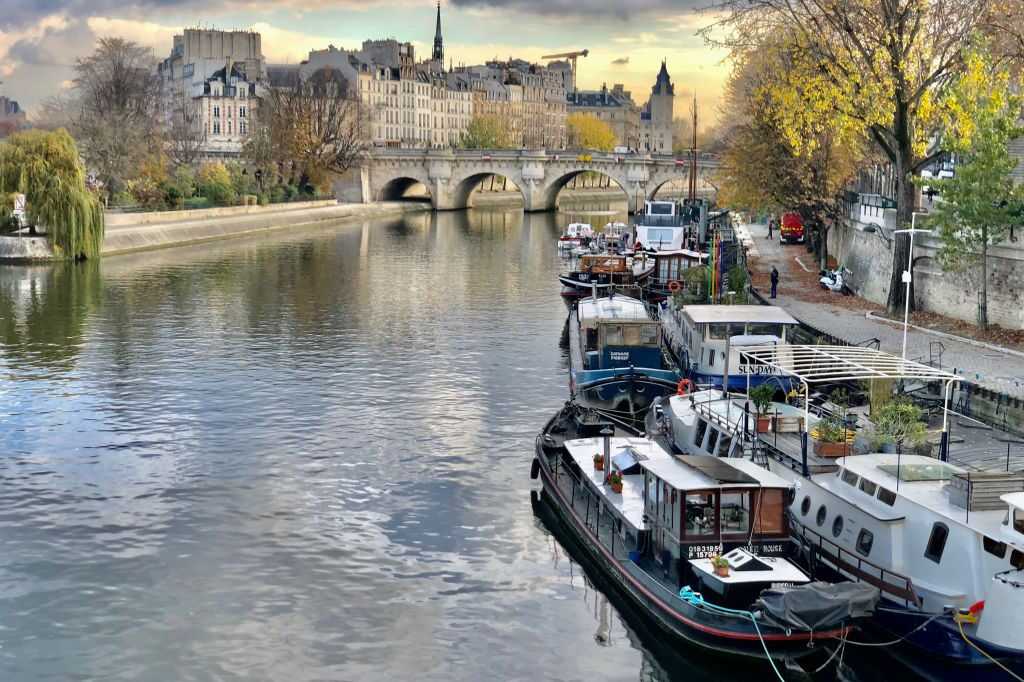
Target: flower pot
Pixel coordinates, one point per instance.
(616, 487)
(722, 571)
(764, 424)
(599, 464)
(831, 449)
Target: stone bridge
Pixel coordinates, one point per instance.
(450, 176)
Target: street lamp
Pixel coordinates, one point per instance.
(907, 279)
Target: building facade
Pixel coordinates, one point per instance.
(11, 113)
(615, 107)
(211, 83)
(656, 128)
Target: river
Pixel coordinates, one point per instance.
(299, 456)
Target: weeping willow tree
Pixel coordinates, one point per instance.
(44, 166)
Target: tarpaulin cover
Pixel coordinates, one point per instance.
(817, 606)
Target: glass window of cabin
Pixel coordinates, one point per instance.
(770, 510)
(631, 335)
(718, 331)
(936, 542)
(849, 477)
(764, 329)
(868, 487)
(864, 541)
(994, 547)
(723, 446)
(837, 526)
(712, 441)
(698, 438)
(1018, 520)
(1017, 559)
(819, 518)
(805, 505)
(735, 512)
(651, 335)
(699, 515)
(887, 496)
(711, 357)
(613, 335)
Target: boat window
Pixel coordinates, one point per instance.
(864, 541)
(936, 542)
(837, 526)
(650, 335)
(1018, 520)
(698, 438)
(820, 517)
(613, 335)
(718, 331)
(735, 512)
(867, 486)
(887, 496)
(805, 506)
(711, 357)
(712, 439)
(770, 512)
(659, 237)
(723, 446)
(849, 477)
(1017, 559)
(994, 547)
(631, 335)
(763, 329)
(700, 514)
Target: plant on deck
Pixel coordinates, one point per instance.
(899, 423)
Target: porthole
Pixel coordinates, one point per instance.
(820, 517)
(805, 505)
(837, 526)
(864, 541)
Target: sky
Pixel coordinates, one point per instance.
(627, 39)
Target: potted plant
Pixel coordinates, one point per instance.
(831, 438)
(599, 462)
(720, 565)
(898, 425)
(615, 481)
(761, 395)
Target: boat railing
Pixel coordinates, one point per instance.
(1016, 581)
(704, 409)
(858, 568)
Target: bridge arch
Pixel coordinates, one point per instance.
(549, 196)
(462, 187)
(394, 183)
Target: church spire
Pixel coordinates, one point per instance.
(438, 43)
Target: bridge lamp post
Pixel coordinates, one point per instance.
(907, 277)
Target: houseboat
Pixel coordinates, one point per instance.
(658, 526)
(616, 360)
(707, 338)
(669, 267)
(661, 226)
(613, 238)
(607, 272)
(575, 236)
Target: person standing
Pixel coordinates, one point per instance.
(775, 280)
(771, 224)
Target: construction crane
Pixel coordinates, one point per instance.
(571, 56)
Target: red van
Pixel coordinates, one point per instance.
(792, 230)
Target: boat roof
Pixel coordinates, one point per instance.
(677, 252)
(840, 363)
(925, 481)
(704, 473)
(613, 308)
(711, 314)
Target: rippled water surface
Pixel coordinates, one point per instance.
(303, 456)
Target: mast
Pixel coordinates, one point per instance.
(693, 154)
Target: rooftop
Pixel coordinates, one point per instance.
(711, 314)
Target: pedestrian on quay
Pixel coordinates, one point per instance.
(771, 224)
(775, 280)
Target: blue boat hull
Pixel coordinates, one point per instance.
(739, 383)
(634, 391)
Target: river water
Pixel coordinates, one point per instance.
(299, 456)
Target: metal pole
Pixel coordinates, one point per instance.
(803, 455)
(906, 278)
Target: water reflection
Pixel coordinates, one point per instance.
(302, 455)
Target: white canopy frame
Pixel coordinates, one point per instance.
(817, 364)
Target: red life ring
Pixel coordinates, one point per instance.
(674, 286)
(685, 386)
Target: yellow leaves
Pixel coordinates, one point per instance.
(586, 131)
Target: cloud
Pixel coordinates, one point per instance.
(643, 38)
(622, 9)
(621, 61)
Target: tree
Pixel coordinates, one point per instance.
(185, 133)
(586, 131)
(979, 203)
(44, 166)
(877, 66)
(214, 182)
(763, 171)
(486, 131)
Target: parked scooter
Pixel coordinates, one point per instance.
(832, 280)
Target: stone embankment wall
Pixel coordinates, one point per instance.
(126, 232)
(867, 257)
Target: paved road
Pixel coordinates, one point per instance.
(990, 368)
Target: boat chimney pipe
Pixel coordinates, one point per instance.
(593, 291)
(607, 433)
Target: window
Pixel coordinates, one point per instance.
(712, 440)
(849, 477)
(700, 514)
(723, 446)
(698, 438)
(887, 496)
(805, 505)
(242, 127)
(868, 487)
(820, 516)
(1018, 520)
(717, 331)
(864, 541)
(837, 526)
(735, 510)
(936, 542)
(216, 127)
(216, 112)
(994, 547)
(711, 357)
(1017, 559)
